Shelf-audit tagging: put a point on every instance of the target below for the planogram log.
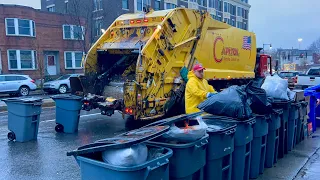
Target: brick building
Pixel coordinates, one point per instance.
(39, 43)
(101, 13)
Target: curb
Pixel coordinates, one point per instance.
(45, 104)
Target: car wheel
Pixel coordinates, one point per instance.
(63, 89)
(24, 91)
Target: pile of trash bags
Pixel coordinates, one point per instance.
(240, 102)
(276, 87)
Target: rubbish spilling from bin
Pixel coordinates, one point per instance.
(23, 118)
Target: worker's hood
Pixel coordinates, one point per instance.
(192, 75)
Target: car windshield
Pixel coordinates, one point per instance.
(63, 77)
(288, 74)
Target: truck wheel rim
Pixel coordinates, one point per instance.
(24, 91)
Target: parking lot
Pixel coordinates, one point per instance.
(45, 159)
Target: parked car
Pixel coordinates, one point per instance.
(311, 78)
(15, 84)
(60, 85)
(291, 76)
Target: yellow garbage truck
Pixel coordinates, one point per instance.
(139, 64)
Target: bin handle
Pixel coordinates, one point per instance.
(37, 103)
(203, 144)
(231, 131)
(149, 169)
(252, 122)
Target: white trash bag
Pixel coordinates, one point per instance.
(187, 134)
(133, 156)
(276, 87)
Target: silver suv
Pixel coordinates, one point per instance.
(15, 84)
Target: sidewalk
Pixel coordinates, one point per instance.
(311, 171)
(298, 159)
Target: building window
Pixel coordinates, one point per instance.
(73, 59)
(97, 27)
(73, 32)
(225, 5)
(125, 4)
(51, 8)
(20, 27)
(202, 2)
(211, 3)
(22, 59)
(97, 5)
(157, 5)
(220, 5)
(143, 3)
(169, 5)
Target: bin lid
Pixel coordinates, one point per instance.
(175, 119)
(66, 96)
(280, 101)
(216, 126)
(230, 119)
(124, 140)
(23, 99)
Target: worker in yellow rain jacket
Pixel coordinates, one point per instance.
(197, 89)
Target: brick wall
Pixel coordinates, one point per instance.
(49, 37)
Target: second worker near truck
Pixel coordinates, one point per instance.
(197, 90)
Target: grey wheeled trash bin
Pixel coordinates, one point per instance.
(23, 118)
(68, 109)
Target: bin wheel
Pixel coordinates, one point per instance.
(11, 136)
(59, 128)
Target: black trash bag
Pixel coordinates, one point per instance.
(260, 104)
(231, 102)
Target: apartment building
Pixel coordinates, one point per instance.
(104, 12)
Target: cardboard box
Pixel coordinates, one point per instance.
(299, 95)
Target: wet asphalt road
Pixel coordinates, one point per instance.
(45, 159)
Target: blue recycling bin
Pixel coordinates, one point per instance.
(68, 109)
(314, 93)
(23, 118)
(259, 143)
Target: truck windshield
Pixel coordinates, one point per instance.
(314, 72)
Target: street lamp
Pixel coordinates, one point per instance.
(266, 45)
(300, 40)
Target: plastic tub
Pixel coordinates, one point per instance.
(283, 134)
(68, 109)
(220, 148)
(258, 151)
(92, 167)
(273, 139)
(188, 159)
(23, 118)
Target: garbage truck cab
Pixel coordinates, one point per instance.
(139, 65)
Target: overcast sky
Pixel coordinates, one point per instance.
(282, 22)
(279, 22)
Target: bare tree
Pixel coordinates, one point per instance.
(39, 61)
(315, 46)
(81, 16)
